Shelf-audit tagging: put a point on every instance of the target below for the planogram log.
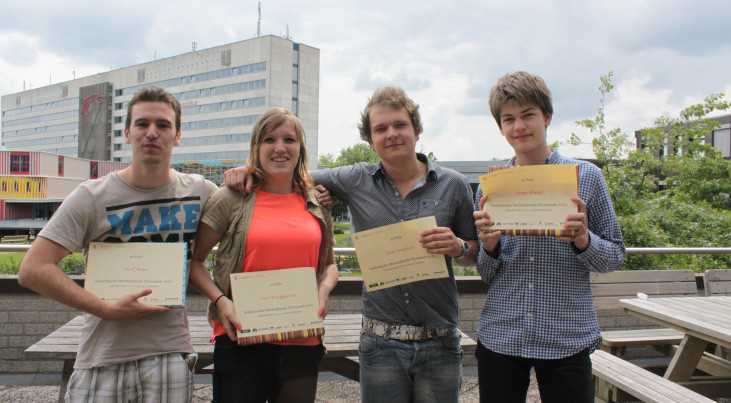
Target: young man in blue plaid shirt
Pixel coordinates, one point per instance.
(539, 311)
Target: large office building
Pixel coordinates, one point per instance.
(223, 90)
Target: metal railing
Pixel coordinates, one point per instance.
(630, 251)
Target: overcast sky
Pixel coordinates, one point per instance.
(665, 54)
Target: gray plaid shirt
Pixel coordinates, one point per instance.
(374, 201)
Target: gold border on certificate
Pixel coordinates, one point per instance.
(114, 269)
(392, 255)
(530, 200)
(276, 305)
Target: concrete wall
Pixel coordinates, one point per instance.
(26, 317)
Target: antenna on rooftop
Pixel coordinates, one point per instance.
(287, 35)
(258, 23)
(195, 46)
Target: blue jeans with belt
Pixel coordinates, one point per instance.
(410, 371)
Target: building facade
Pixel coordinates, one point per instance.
(223, 90)
(33, 184)
(719, 138)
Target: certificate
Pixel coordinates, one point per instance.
(276, 305)
(116, 269)
(531, 200)
(392, 255)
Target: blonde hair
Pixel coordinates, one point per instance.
(389, 96)
(268, 122)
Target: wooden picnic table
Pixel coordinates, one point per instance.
(702, 320)
(342, 335)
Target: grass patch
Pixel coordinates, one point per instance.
(340, 229)
(10, 263)
(340, 241)
(351, 273)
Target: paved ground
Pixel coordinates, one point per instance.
(331, 388)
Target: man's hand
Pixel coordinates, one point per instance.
(238, 178)
(577, 221)
(442, 241)
(128, 307)
(482, 219)
(324, 197)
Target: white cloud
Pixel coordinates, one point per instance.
(24, 62)
(665, 54)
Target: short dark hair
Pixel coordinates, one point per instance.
(153, 94)
(389, 96)
(522, 88)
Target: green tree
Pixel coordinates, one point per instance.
(673, 191)
(354, 154)
(360, 152)
(430, 154)
(326, 160)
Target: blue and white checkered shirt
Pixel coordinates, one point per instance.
(374, 201)
(539, 302)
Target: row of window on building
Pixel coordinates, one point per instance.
(197, 78)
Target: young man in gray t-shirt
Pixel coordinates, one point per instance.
(129, 350)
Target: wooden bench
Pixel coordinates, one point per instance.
(717, 282)
(341, 339)
(609, 288)
(617, 380)
(14, 239)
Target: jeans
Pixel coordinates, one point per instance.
(262, 372)
(505, 378)
(410, 371)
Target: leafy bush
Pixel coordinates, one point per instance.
(73, 264)
(671, 192)
(9, 266)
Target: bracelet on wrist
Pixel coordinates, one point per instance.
(219, 297)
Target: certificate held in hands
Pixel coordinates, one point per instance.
(116, 269)
(276, 305)
(392, 255)
(531, 200)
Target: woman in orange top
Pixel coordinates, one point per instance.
(279, 225)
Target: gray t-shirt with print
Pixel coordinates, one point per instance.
(110, 210)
